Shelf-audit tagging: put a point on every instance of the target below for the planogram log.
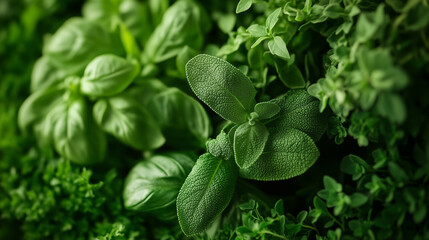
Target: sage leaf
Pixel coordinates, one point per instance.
(206, 193)
(129, 122)
(108, 75)
(153, 184)
(288, 153)
(266, 110)
(221, 146)
(221, 86)
(249, 142)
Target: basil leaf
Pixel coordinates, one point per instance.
(183, 120)
(37, 106)
(144, 91)
(221, 86)
(299, 110)
(243, 5)
(185, 54)
(152, 185)
(76, 43)
(129, 122)
(108, 75)
(206, 193)
(277, 47)
(288, 153)
(221, 146)
(249, 142)
(45, 74)
(266, 110)
(74, 132)
(180, 26)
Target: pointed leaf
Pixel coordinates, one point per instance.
(249, 142)
(221, 86)
(266, 110)
(206, 193)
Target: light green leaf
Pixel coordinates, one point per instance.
(278, 47)
(333, 10)
(45, 74)
(288, 153)
(226, 22)
(243, 5)
(221, 146)
(129, 122)
(266, 110)
(75, 135)
(37, 106)
(258, 41)
(256, 30)
(128, 41)
(183, 120)
(108, 75)
(153, 184)
(221, 86)
(392, 107)
(183, 57)
(249, 142)
(76, 43)
(272, 19)
(206, 193)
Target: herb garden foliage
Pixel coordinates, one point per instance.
(162, 119)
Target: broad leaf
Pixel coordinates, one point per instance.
(221, 86)
(206, 193)
(249, 142)
(288, 153)
(153, 184)
(183, 120)
(74, 133)
(45, 75)
(108, 75)
(129, 122)
(266, 110)
(37, 106)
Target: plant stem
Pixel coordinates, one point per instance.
(275, 235)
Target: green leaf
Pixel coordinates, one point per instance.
(108, 75)
(75, 135)
(183, 120)
(221, 146)
(258, 41)
(243, 5)
(152, 185)
(333, 10)
(272, 19)
(392, 107)
(183, 57)
(278, 47)
(128, 41)
(288, 153)
(226, 22)
(45, 74)
(257, 30)
(299, 110)
(76, 43)
(37, 106)
(221, 86)
(358, 199)
(206, 193)
(266, 110)
(181, 25)
(332, 185)
(290, 75)
(249, 142)
(129, 122)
